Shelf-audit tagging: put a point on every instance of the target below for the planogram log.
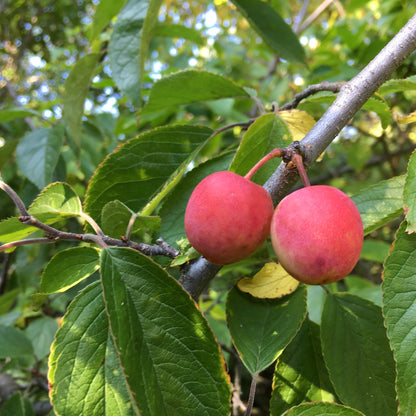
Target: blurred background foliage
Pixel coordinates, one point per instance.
(40, 42)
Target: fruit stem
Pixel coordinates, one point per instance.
(287, 154)
(274, 153)
(298, 161)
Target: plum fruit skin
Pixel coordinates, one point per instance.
(317, 234)
(228, 217)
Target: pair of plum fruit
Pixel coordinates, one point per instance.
(316, 231)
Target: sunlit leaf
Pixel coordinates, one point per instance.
(57, 198)
(190, 86)
(321, 408)
(173, 365)
(272, 281)
(299, 122)
(85, 374)
(68, 267)
(300, 374)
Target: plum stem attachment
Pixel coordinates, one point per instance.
(290, 153)
(274, 153)
(298, 161)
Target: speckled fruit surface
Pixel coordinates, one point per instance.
(317, 234)
(228, 217)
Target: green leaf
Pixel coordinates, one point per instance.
(115, 218)
(409, 195)
(375, 250)
(104, 12)
(319, 409)
(168, 352)
(38, 153)
(42, 333)
(300, 374)
(272, 28)
(69, 267)
(190, 86)
(14, 343)
(17, 405)
(12, 229)
(173, 209)
(145, 167)
(178, 31)
(76, 90)
(363, 288)
(380, 106)
(7, 300)
(380, 203)
(396, 85)
(6, 152)
(265, 134)
(58, 198)
(129, 45)
(357, 354)
(262, 328)
(399, 300)
(84, 372)
(9, 114)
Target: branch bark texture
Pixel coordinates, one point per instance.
(352, 96)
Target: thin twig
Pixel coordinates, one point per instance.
(251, 395)
(13, 195)
(93, 224)
(130, 226)
(300, 16)
(315, 15)
(52, 234)
(312, 89)
(25, 242)
(244, 125)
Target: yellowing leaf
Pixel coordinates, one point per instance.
(298, 121)
(272, 281)
(407, 119)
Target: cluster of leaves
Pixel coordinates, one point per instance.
(130, 339)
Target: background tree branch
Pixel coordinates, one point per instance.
(350, 99)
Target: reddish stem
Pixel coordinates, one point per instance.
(274, 153)
(295, 157)
(298, 161)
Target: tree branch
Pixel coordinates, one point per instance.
(350, 99)
(312, 89)
(52, 234)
